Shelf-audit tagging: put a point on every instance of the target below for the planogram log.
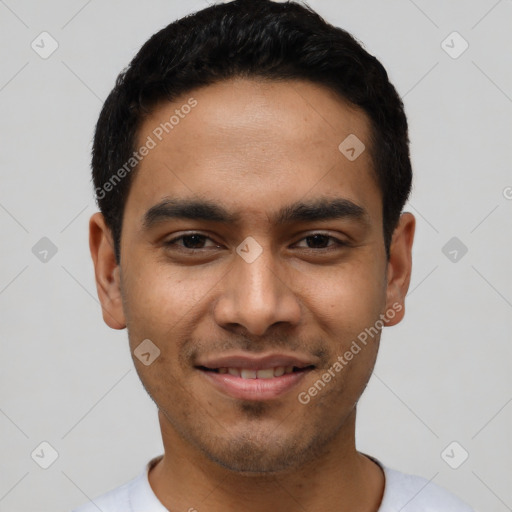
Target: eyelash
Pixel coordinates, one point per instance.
(337, 245)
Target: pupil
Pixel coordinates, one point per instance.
(316, 238)
(198, 239)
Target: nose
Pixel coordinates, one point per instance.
(256, 296)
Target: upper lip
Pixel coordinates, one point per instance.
(253, 362)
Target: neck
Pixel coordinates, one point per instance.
(340, 479)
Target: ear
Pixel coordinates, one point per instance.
(399, 268)
(106, 272)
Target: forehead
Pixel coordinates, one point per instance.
(250, 144)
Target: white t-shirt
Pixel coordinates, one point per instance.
(404, 493)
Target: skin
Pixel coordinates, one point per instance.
(254, 146)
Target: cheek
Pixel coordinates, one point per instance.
(160, 297)
(165, 306)
(347, 300)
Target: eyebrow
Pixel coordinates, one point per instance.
(300, 211)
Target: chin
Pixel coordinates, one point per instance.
(253, 463)
(257, 455)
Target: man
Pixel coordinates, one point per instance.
(251, 166)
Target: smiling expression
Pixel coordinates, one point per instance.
(252, 255)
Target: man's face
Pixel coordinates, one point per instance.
(254, 292)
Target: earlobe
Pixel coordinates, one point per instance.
(106, 272)
(399, 268)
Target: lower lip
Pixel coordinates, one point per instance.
(254, 389)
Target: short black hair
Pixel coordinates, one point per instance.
(249, 39)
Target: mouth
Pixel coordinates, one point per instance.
(263, 373)
(255, 379)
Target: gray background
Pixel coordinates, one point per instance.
(443, 375)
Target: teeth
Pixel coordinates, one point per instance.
(278, 371)
(266, 373)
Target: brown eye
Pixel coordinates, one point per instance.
(193, 241)
(321, 241)
(318, 240)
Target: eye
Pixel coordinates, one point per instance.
(191, 242)
(322, 239)
(196, 242)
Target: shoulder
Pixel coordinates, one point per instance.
(116, 500)
(411, 493)
(135, 495)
